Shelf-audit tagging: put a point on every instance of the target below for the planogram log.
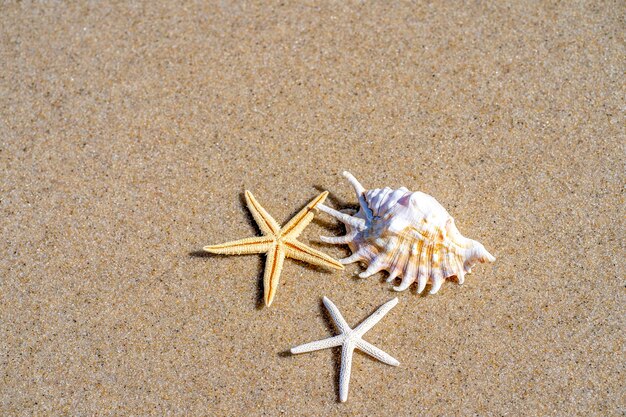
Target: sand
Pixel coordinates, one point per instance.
(128, 133)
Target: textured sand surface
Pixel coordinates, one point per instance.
(129, 132)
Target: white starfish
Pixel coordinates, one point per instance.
(350, 339)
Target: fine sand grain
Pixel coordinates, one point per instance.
(128, 133)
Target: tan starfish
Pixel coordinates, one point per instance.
(277, 243)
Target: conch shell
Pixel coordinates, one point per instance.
(409, 234)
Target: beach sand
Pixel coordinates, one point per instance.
(128, 134)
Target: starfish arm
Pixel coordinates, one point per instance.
(242, 246)
(346, 369)
(319, 345)
(300, 251)
(376, 353)
(271, 276)
(296, 225)
(335, 314)
(266, 223)
(369, 322)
